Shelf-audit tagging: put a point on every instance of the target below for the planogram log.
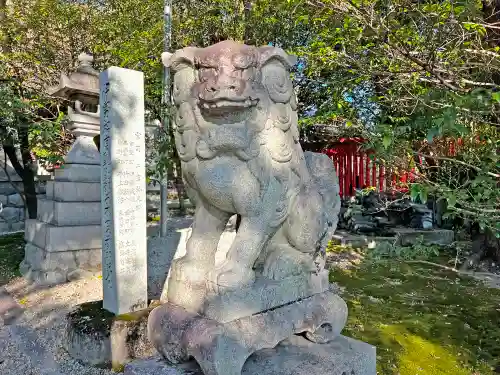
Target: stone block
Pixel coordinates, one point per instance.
(4, 199)
(68, 191)
(78, 173)
(6, 187)
(16, 200)
(17, 226)
(69, 213)
(297, 356)
(223, 348)
(42, 260)
(97, 337)
(5, 227)
(409, 236)
(12, 214)
(52, 238)
(264, 295)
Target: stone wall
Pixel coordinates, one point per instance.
(11, 203)
(12, 212)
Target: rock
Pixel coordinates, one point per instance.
(5, 227)
(3, 200)
(297, 356)
(16, 200)
(17, 226)
(12, 214)
(408, 236)
(6, 188)
(97, 337)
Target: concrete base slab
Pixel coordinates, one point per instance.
(297, 356)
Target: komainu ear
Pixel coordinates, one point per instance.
(179, 58)
(268, 53)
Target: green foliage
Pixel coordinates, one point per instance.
(11, 255)
(418, 251)
(422, 319)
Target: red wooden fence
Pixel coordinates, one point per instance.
(359, 169)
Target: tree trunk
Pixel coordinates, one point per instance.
(26, 173)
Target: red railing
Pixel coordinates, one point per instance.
(359, 169)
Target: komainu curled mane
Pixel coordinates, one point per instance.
(237, 137)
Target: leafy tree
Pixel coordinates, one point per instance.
(434, 67)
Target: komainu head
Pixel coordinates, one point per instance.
(245, 89)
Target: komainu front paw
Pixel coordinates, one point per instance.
(230, 276)
(189, 269)
(286, 262)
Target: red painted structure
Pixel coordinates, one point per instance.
(360, 169)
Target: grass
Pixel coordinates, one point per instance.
(11, 255)
(422, 319)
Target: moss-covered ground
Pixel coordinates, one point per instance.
(11, 255)
(423, 319)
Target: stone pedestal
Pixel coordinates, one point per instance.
(64, 242)
(223, 348)
(297, 356)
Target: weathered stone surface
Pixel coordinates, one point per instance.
(6, 187)
(12, 214)
(43, 278)
(4, 199)
(5, 227)
(297, 356)
(97, 337)
(408, 236)
(222, 349)
(11, 172)
(42, 260)
(65, 191)
(263, 295)
(78, 173)
(43, 267)
(123, 190)
(17, 226)
(16, 200)
(69, 213)
(252, 122)
(52, 238)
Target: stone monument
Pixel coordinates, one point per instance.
(124, 238)
(64, 241)
(237, 136)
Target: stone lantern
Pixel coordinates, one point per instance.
(81, 88)
(64, 241)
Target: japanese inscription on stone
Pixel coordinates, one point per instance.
(123, 190)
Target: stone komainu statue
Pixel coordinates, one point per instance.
(237, 137)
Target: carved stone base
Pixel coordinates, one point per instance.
(223, 348)
(263, 295)
(296, 356)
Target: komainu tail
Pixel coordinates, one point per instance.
(325, 179)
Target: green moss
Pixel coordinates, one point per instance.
(11, 255)
(423, 320)
(91, 318)
(118, 367)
